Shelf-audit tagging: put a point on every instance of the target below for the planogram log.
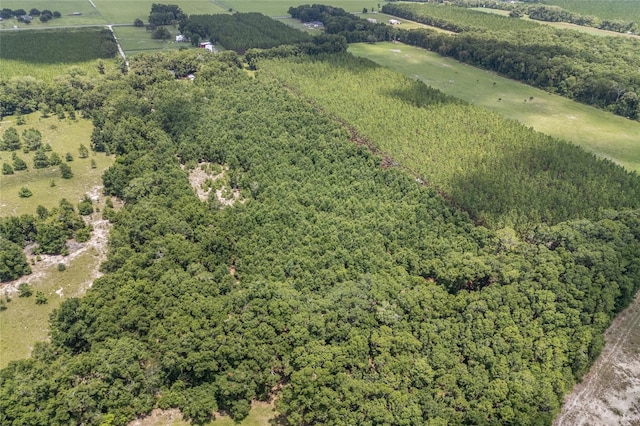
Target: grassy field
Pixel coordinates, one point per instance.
(624, 10)
(405, 24)
(63, 136)
(603, 133)
(24, 322)
(561, 25)
(124, 12)
(89, 15)
(261, 414)
(280, 7)
(135, 40)
(47, 72)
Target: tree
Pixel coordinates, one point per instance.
(18, 163)
(65, 171)
(25, 192)
(10, 140)
(68, 157)
(85, 207)
(31, 139)
(7, 169)
(161, 33)
(83, 152)
(24, 290)
(13, 262)
(41, 299)
(138, 23)
(40, 159)
(55, 159)
(34, 12)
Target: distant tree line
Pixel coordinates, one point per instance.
(44, 15)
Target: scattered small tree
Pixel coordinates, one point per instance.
(68, 157)
(85, 207)
(138, 23)
(65, 171)
(7, 169)
(25, 192)
(32, 139)
(10, 140)
(62, 267)
(40, 159)
(18, 163)
(93, 164)
(83, 152)
(41, 299)
(24, 290)
(55, 159)
(161, 33)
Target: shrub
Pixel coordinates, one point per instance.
(41, 299)
(65, 170)
(7, 169)
(24, 290)
(25, 192)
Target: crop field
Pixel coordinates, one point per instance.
(598, 131)
(63, 136)
(43, 47)
(625, 10)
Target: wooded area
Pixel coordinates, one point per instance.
(352, 291)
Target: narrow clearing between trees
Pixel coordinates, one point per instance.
(610, 392)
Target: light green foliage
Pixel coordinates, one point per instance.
(25, 192)
(7, 169)
(41, 299)
(31, 139)
(24, 290)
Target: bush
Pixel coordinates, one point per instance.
(7, 169)
(18, 163)
(83, 234)
(24, 290)
(68, 157)
(65, 170)
(62, 267)
(25, 192)
(85, 207)
(41, 299)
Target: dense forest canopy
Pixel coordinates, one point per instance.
(341, 283)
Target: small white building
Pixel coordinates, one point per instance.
(394, 22)
(372, 20)
(181, 39)
(207, 45)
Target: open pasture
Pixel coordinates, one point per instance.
(624, 10)
(600, 132)
(124, 12)
(63, 136)
(47, 72)
(88, 14)
(405, 24)
(280, 7)
(136, 40)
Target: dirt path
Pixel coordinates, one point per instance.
(97, 243)
(610, 392)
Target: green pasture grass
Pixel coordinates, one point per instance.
(63, 136)
(624, 10)
(280, 7)
(89, 15)
(125, 11)
(51, 46)
(561, 25)
(48, 72)
(135, 40)
(24, 323)
(405, 24)
(600, 132)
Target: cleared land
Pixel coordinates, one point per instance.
(600, 132)
(135, 40)
(405, 24)
(124, 12)
(561, 25)
(63, 136)
(610, 392)
(624, 10)
(261, 414)
(280, 7)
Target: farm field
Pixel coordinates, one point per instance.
(626, 10)
(405, 24)
(89, 15)
(124, 12)
(136, 40)
(63, 136)
(561, 25)
(280, 7)
(598, 131)
(47, 72)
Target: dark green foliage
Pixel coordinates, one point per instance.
(25, 192)
(241, 31)
(62, 267)
(7, 169)
(18, 163)
(138, 22)
(68, 157)
(364, 296)
(165, 14)
(10, 140)
(41, 299)
(40, 159)
(583, 67)
(85, 207)
(13, 262)
(55, 159)
(161, 33)
(24, 290)
(31, 139)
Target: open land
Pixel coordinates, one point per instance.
(598, 131)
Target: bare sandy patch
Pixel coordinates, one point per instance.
(610, 393)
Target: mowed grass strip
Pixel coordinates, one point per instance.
(51, 46)
(280, 7)
(600, 132)
(135, 40)
(63, 136)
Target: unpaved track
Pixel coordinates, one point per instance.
(610, 392)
